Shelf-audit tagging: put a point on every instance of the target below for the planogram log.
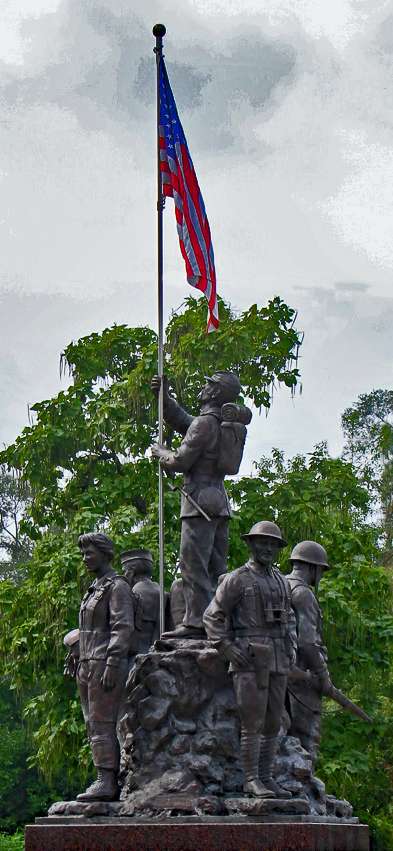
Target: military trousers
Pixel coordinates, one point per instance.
(100, 710)
(260, 709)
(203, 558)
(305, 709)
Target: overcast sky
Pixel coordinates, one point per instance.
(288, 110)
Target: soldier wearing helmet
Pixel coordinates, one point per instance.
(204, 543)
(309, 561)
(251, 623)
(137, 566)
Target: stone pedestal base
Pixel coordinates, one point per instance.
(209, 834)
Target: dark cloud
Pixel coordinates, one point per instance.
(352, 286)
(96, 60)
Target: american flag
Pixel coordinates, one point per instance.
(180, 182)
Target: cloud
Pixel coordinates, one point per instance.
(289, 116)
(95, 60)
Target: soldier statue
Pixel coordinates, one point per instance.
(138, 568)
(105, 628)
(204, 457)
(177, 606)
(309, 561)
(251, 623)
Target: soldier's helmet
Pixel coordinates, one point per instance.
(310, 552)
(229, 383)
(265, 529)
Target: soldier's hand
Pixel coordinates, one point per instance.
(70, 665)
(236, 655)
(157, 451)
(292, 658)
(108, 679)
(325, 683)
(155, 385)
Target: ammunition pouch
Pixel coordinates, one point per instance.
(262, 659)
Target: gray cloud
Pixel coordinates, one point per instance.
(97, 62)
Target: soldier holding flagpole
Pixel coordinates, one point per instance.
(176, 178)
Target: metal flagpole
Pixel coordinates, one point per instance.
(159, 31)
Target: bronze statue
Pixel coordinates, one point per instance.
(251, 623)
(105, 627)
(138, 568)
(309, 562)
(177, 603)
(212, 447)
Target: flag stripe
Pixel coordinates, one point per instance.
(179, 181)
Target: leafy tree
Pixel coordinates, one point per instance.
(14, 546)
(23, 790)
(368, 431)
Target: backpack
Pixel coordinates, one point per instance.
(233, 433)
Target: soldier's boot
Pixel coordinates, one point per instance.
(106, 756)
(267, 755)
(184, 631)
(105, 788)
(249, 749)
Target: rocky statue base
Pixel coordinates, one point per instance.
(181, 767)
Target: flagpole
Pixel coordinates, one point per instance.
(159, 31)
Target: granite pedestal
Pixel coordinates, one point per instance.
(191, 834)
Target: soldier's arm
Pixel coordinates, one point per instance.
(121, 622)
(199, 435)
(176, 416)
(292, 631)
(217, 615)
(308, 634)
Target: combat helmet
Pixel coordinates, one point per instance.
(265, 529)
(228, 381)
(310, 552)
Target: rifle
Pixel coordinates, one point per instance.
(192, 501)
(335, 693)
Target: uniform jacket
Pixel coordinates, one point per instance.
(197, 458)
(312, 653)
(106, 620)
(253, 607)
(146, 595)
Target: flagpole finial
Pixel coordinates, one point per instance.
(159, 30)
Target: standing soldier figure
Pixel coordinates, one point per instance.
(105, 627)
(309, 561)
(138, 568)
(212, 448)
(251, 623)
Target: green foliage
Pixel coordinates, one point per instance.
(368, 430)
(12, 843)
(33, 794)
(14, 546)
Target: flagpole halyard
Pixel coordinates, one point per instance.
(159, 31)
